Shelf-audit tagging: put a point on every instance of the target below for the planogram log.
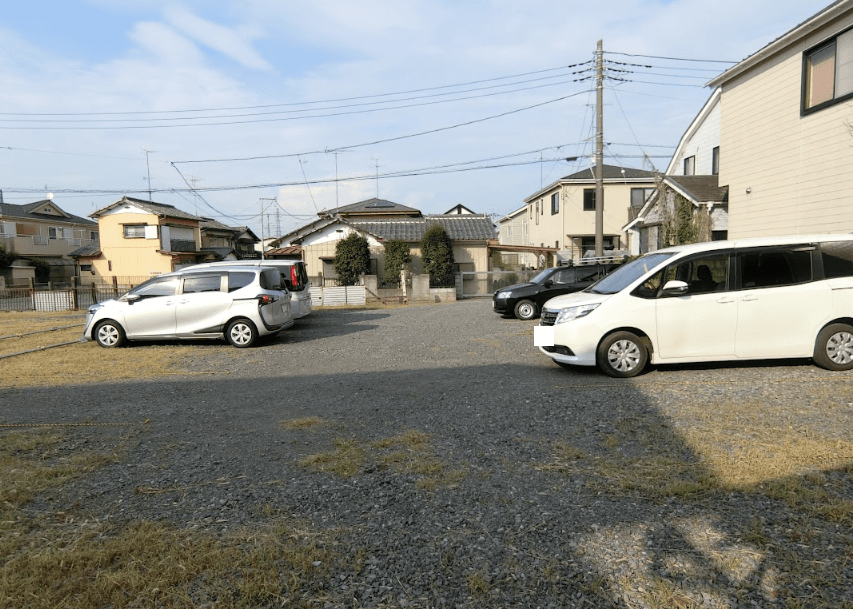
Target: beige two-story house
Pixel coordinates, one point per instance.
(44, 231)
(562, 215)
(139, 239)
(785, 131)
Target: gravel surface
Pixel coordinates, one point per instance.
(489, 512)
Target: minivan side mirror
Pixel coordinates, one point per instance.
(674, 288)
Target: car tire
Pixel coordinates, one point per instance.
(109, 334)
(526, 309)
(834, 347)
(622, 355)
(241, 333)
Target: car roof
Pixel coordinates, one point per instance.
(710, 246)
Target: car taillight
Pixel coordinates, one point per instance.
(265, 299)
(293, 280)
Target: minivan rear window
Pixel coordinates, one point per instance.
(775, 267)
(239, 279)
(271, 279)
(837, 259)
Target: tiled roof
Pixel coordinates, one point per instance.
(25, 211)
(290, 250)
(161, 209)
(372, 206)
(612, 172)
(219, 252)
(701, 189)
(459, 228)
(211, 224)
(93, 249)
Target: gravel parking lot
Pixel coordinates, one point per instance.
(482, 474)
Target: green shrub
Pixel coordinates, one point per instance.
(397, 255)
(437, 252)
(352, 259)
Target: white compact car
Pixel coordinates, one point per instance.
(238, 303)
(764, 298)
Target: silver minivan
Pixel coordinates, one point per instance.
(293, 276)
(238, 303)
(763, 298)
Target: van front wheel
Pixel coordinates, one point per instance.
(622, 355)
(834, 347)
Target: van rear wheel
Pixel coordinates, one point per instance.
(241, 333)
(622, 355)
(834, 347)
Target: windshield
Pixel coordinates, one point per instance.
(627, 274)
(542, 275)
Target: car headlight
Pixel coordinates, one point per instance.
(504, 294)
(95, 307)
(570, 313)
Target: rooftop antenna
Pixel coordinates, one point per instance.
(193, 181)
(376, 161)
(148, 167)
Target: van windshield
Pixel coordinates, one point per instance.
(627, 274)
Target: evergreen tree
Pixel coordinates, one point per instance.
(397, 255)
(437, 253)
(352, 259)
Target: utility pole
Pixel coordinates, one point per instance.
(148, 167)
(599, 151)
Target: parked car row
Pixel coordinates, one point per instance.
(239, 301)
(726, 300)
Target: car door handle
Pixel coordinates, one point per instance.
(725, 300)
(749, 298)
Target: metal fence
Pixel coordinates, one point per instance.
(482, 283)
(58, 298)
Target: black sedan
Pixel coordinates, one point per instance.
(525, 300)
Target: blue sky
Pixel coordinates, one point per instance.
(126, 60)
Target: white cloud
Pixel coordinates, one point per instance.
(232, 42)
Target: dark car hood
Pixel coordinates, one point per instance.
(517, 286)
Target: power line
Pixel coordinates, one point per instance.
(242, 122)
(382, 141)
(671, 58)
(339, 99)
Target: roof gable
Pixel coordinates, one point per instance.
(42, 210)
(159, 209)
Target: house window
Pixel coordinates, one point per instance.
(537, 212)
(639, 196)
(690, 166)
(54, 233)
(134, 231)
(588, 244)
(715, 161)
(828, 73)
(555, 203)
(589, 199)
(86, 268)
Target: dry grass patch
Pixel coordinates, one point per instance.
(81, 363)
(45, 563)
(301, 423)
(407, 453)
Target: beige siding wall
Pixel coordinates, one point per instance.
(799, 169)
(129, 257)
(573, 222)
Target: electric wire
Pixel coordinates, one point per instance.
(382, 141)
(340, 99)
(670, 58)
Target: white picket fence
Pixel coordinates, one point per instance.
(330, 297)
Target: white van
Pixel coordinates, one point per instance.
(293, 274)
(789, 297)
